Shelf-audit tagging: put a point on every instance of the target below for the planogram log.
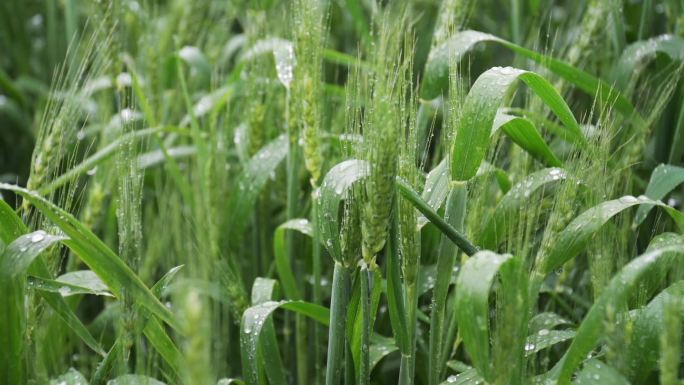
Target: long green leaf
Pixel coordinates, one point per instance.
(14, 262)
(252, 325)
(452, 50)
(638, 54)
(249, 184)
(642, 352)
(98, 256)
(574, 237)
(396, 301)
(107, 364)
(333, 190)
(454, 214)
(283, 263)
(618, 290)
(11, 227)
(545, 338)
(156, 334)
(66, 288)
(264, 290)
(524, 133)
(472, 306)
(594, 371)
(487, 95)
(664, 179)
(338, 323)
(495, 228)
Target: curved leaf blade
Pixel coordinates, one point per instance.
(494, 230)
(15, 260)
(333, 190)
(524, 133)
(617, 291)
(282, 261)
(664, 179)
(252, 326)
(642, 352)
(97, 255)
(487, 95)
(473, 285)
(595, 370)
(249, 185)
(545, 338)
(637, 55)
(71, 377)
(437, 70)
(575, 236)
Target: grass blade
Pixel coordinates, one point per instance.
(664, 179)
(573, 239)
(545, 338)
(333, 190)
(11, 227)
(487, 95)
(524, 133)
(636, 56)
(67, 288)
(14, 261)
(71, 377)
(495, 228)
(283, 263)
(100, 258)
(473, 286)
(396, 299)
(437, 70)
(618, 290)
(249, 185)
(642, 352)
(252, 326)
(596, 369)
(338, 324)
(454, 214)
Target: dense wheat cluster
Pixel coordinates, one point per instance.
(414, 192)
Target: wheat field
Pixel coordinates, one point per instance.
(341, 192)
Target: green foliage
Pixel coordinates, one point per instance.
(341, 192)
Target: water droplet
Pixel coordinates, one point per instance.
(124, 79)
(628, 199)
(64, 290)
(38, 236)
(285, 62)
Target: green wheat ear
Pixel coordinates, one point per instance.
(311, 28)
(382, 131)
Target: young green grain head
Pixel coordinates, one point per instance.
(310, 23)
(382, 124)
